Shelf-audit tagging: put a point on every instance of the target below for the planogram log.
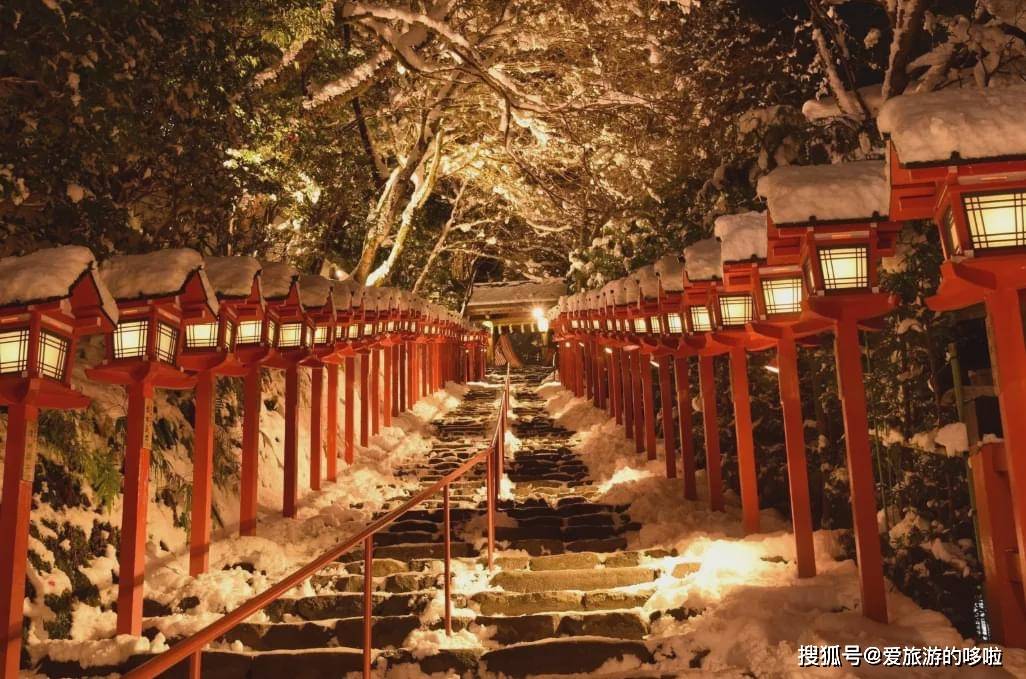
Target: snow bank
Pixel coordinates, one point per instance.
(231, 276)
(670, 270)
(276, 279)
(702, 260)
(968, 123)
(824, 109)
(842, 192)
(742, 236)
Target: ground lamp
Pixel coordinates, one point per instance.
(48, 299)
(670, 271)
(959, 158)
(839, 213)
(319, 304)
(142, 355)
(292, 339)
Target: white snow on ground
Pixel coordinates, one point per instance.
(845, 191)
(750, 609)
(281, 545)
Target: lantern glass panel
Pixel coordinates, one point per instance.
(14, 351)
(340, 331)
(167, 340)
(701, 320)
(391, 326)
(130, 339)
(201, 336)
(229, 334)
(782, 295)
(354, 331)
(53, 355)
(249, 332)
(657, 325)
(639, 326)
(735, 310)
(322, 334)
(674, 324)
(273, 331)
(845, 268)
(368, 329)
(290, 335)
(997, 220)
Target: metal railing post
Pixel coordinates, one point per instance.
(196, 665)
(490, 474)
(368, 604)
(448, 560)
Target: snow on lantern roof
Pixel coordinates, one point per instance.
(631, 289)
(619, 292)
(858, 191)
(276, 279)
(702, 260)
(742, 236)
(51, 274)
(648, 281)
(969, 123)
(231, 276)
(516, 292)
(155, 274)
(314, 290)
(670, 270)
(343, 293)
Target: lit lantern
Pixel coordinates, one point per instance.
(142, 354)
(957, 157)
(48, 299)
(839, 214)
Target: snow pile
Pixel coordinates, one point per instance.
(648, 281)
(670, 270)
(824, 109)
(276, 279)
(516, 292)
(314, 290)
(48, 274)
(742, 236)
(232, 276)
(842, 192)
(631, 291)
(702, 260)
(343, 293)
(154, 274)
(968, 124)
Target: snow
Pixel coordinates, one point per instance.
(516, 292)
(631, 291)
(742, 236)
(953, 437)
(344, 293)
(50, 274)
(231, 276)
(968, 123)
(843, 192)
(670, 270)
(827, 108)
(648, 281)
(702, 260)
(314, 290)
(154, 274)
(276, 279)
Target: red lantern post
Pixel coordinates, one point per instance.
(670, 270)
(48, 300)
(319, 304)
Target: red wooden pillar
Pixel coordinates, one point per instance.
(615, 390)
(627, 392)
(425, 367)
(404, 372)
(132, 553)
(648, 399)
(290, 492)
(386, 396)
(713, 463)
(331, 449)
(639, 402)
(589, 365)
(249, 474)
(860, 468)
(397, 405)
(600, 377)
(15, 510)
(202, 473)
(747, 473)
(375, 391)
(364, 399)
(797, 470)
(316, 404)
(666, 399)
(350, 416)
(687, 442)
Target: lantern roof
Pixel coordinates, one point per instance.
(276, 279)
(844, 192)
(964, 124)
(670, 269)
(647, 281)
(343, 293)
(314, 291)
(702, 260)
(50, 275)
(232, 277)
(743, 236)
(156, 274)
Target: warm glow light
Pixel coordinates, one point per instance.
(13, 351)
(701, 321)
(997, 220)
(608, 350)
(772, 368)
(639, 326)
(321, 334)
(249, 332)
(53, 354)
(538, 313)
(130, 339)
(735, 310)
(290, 335)
(167, 340)
(782, 295)
(354, 331)
(543, 325)
(368, 329)
(657, 326)
(674, 324)
(201, 335)
(845, 267)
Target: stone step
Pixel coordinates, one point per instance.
(348, 605)
(580, 579)
(576, 655)
(516, 603)
(538, 626)
(387, 631)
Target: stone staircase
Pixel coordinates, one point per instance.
(566, 596)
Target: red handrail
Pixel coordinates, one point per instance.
(192, 647)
